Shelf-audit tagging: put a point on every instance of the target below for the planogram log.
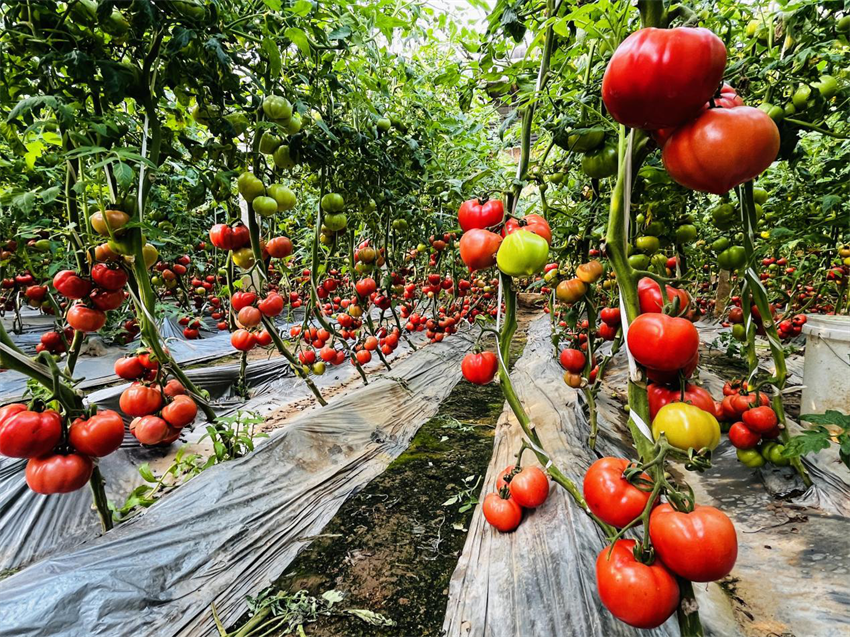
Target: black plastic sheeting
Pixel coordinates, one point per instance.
(234, 528)
(791, 577)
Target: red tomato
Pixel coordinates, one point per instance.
(503, 513)
(58, 473)
(129, 368)
(140, 400)
(264, 338)
(98, 436)
(243, 340)
(658, 78)
(28, 434)
(742, 402)
(71, 285)
(659, 395)
(150, 430)
(180, 411)
(638, 594)
(478, 248)
(479, 368)
(249, 316)
(572, 360)
(529, 488)
(476, 213)
(272, 305)
(721, 148)
(608, 332)
(242, 299)
(610, 316)
(662, 342)
(611, 497)
(651, 300)
(700, 546)
(173, 388)
(225, 237)
(760, 420)
(363, 357)
(727, 98)
(365, 287)
(106, 301)
(279, 247)
(109, 278)
(537, 224)
(85, 319)
(742, 438)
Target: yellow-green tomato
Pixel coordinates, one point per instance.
(750, 458)
(522, 253)
(264, 206)
(244, 258)
(686, 426)
(284, 197)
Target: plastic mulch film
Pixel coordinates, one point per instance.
(234, 528)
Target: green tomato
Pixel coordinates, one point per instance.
(655, 229)
(269, 143)
(282, 158)
(789, 109)
(724, 216)
(801, 96)
(843, 24)
(42, 245)
(277, 108)
(115, 24)
(556, 177)
(249, 186)
(333, 202)
(284, 197)
(639, 261)
(600, 163)
(583, 142)
(293, 126)
(658, 260)
(336, 221)
(774, 455)
(238, 122)
(191, 9)
(640, 219)
(264, 206)
(776, 113)
(648, 244)
(750, 458)
(319, 368)
(686, 234)
(243, 257)
(733, 258)
(384, 124)
(720, 244)
(400, 225)
(156, 281)
(760, 195)
(522, 253)
(827, 86)
(739, 332)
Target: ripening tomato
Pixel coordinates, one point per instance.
(272, 305)
(279, 247)
(572, 360)
(502, 512)
(590, 272)
(71, 285)
(479, 368)
(150, 430)
(700, 546)
(721, 148)
(58, 473)
(529, 487)
(140, 400)
(180, 411)
(99, 435)
(483, 214)
(534, 223)
(571, 290)
(651, 300)
(659, 78)
(641, 595)
(243, 340)
(28, 434)
(85, 319)
(522, 253)
(478, 248)
(686, 426)
(760, 420)
(662, 342)
(249, 316)
(109, 278)
(659, 395)
(129, 368)
(611, 497)
(742, 438)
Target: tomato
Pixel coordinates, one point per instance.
(105, 301)
(58, 473)
(751, 458)
(572, 360)
(28, 434)
(243, 340)
(272, 305)
(742, 402)
(590, 272)
(244, 258)
(672, 377)
(659, 78)
(109, 278)
(535, 223)
(180, 411)
(700, 546)
(283, 196)
(140, 400)
(250, 187)
(662, 342)
(478, 248)
(85, 319)
(70, 285)
(478, 213)
(742, 438)
(502, 512)
(529, 487)
(760, 420)
(732, 258)
(570, 291)
(363, 357)
(640, 595)
(249, 316)
(601, 162)
(99, 435)
(150, 430)
(727, 98)
(772, 452)
(264, 338)
(610, 316)
(608, 332)
(652, 301)
(659, 395)
(479, 368)
(573, 379)
(611, 497)
(277, 108)
(279, 247)
(242, 299)
(686, 426)
(264, 206)
(173, 388)
(721, 148)
(226, 237)
(522, 253)
(114, 219)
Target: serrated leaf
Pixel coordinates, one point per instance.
(370, 617)
(124, 175)
(299, 38)
(29, 103)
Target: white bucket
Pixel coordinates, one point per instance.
(826, 370)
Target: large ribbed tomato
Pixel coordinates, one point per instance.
(28, 434)
(701, 546)
(535, 223)
(479, 368)
(85, 319)
(663, 342)
(652, 300)
(140, 400)
(659, 395)
(638, 594)
(726, 97)
(658, 78)
(721, 148)
(99, 435)
(58, 473)
(476, 213)
(478, 248)
(611, 497)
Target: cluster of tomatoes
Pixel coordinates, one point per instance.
(574, 362)
(517, 488)
(24, 282)
(755, 427)
(59, 457)
(250, 310)
(786, 328)
(699, 545)
(159, 410)
(95, 296)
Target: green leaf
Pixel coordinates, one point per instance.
(273, 5)
(124, 175)
(146, 473)
(830, 417)
(301, 8)
(271, 50)
(340, 33)
(299, 38)
(29, 103)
